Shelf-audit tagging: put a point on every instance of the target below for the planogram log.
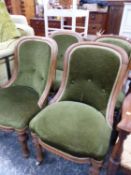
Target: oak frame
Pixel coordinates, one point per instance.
(39, 144)
(22, 133)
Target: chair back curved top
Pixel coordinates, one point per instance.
(93, 74)
(63, 39)
(117, 40)
(35, 61)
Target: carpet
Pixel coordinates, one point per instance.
(12, 162)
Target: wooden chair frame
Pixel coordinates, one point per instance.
(39, 144)
(22, 133)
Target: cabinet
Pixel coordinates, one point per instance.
(115, 11)
(38, 25)
(13, 6)
(21, 7)
(97, 21)
(125, 28)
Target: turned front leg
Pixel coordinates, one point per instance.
(23, 137)
(39, 154)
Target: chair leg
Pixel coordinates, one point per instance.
(39, 154)
(115, 158)
(23, 137)
(95, 167)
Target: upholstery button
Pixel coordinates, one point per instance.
(103, 90)
(72, 82)
(89, 80)
(33, 70)
(42, 78)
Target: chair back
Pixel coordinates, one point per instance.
(35, 58)
(120, 41)
(64, 39)
(93, 74)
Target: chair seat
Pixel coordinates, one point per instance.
(73, 131)
(58, 79)
(18, 104)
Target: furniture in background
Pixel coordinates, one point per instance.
(83, 108)
(63, 39)
(62, 13)
(97, 21)
(110, 21)
(26, 92)
(7, 48)
(125, 28)
(115, 12)
(21, 7)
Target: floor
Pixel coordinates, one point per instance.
(12, 162)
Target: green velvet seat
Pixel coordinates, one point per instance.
(123, 43)
(74, 129)
(77, 124)
(63, 39)
(24, 94)
(18, 106)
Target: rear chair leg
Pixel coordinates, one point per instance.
(23, 137)
(115, 157)
(39, 154)
(95, 167)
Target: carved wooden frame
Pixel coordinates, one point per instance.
(96, 165)
(22, 133)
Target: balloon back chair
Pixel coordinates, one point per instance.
(117, 40)
(124, 43)
(24, 94)
(63, 39)
(78, 123)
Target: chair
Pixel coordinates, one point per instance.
(63, 39)
(124, 127)
(62, 13)
(125, 44)
(78, 123)
(27, 90)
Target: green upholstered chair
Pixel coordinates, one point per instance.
(122, 42)
(78, 123)
(63, 39)
(24, 94)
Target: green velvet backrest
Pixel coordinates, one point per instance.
(92, 71)
(118, 41)
(34, 61)
(63, 41)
